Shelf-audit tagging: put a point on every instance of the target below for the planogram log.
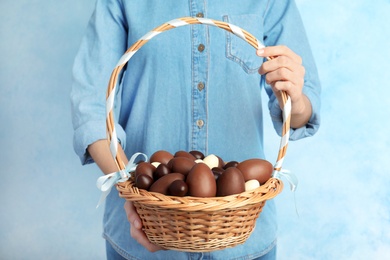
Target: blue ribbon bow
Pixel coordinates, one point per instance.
(106, 182)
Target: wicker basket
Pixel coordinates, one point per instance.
(194, 224)
(199, 224)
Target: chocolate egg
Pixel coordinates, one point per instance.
(230, 182)
(143, 181)
(230, 164)
(181, 165)
(256, 169)
(201, 182)
(197, 154)
(145, 168)
(155, 164)
(178, 188)
(184, 154)
(251, 185)
(161, 170)
(217, 171)
(162, 184)
(161, 157)
(212, 161)
(221, 162)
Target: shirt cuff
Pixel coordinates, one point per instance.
(91, 132)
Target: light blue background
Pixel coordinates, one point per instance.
(48, 200)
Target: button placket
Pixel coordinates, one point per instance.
(199, 78)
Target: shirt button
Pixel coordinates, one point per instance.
(200, 123)
(201, 47)
(200, 86)
(199, 15)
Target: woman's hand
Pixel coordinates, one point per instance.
(285, 72)
(136, 228)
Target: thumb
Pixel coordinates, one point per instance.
(132, 215)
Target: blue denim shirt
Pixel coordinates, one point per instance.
(174, 95)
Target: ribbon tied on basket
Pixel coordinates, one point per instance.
(106, 182)
(291, 178)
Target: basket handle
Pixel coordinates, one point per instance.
(249, 38)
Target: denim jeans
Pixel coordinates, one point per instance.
(114, 255)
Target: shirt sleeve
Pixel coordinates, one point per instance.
(284, 26)
(102, 46)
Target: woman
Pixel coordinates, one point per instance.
(191, 88)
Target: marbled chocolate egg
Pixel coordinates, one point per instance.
(221, 162)
(161, 156)
(162, 184)
(230, 182)
(256, 169)
(201, 182)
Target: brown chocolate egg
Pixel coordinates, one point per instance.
(256, 169)
(217, 171)
(201, 182)
(181, 165)
(161, 157)
(161, 170)
(230, 164)
(162, 184)
(178, 188)
(197, 154)
(145, 168)
(185, 154)
(143, 181)
(230, 182)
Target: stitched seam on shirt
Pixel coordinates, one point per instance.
(228, 50)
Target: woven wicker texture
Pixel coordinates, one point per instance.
(194, 224)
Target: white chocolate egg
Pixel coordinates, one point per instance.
(199, 161)
(211, 161)
(156, 164)
(251, 185)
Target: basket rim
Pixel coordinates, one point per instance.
(268, 190)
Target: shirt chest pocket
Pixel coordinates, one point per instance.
(240, 51)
